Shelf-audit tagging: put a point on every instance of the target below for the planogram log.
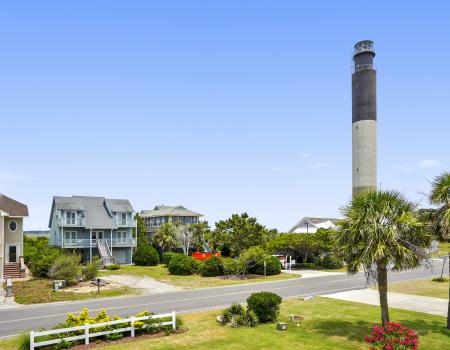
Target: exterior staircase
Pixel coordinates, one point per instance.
(105, 252)
(12, 270)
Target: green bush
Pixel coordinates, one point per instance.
(66, 267)
(182, 265)
(167, 256)
(230, 266)
(305, 266)
(212, 267)
(39, 256)
(90, 271)
(146, 255)
(236, 315)
(265, 305)
(273, 267)
(112, 267)
(328, 262)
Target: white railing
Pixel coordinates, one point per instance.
(87, 335)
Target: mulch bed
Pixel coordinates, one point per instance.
(102, 342)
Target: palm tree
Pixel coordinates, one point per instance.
(165, 236)
(381, 231)
(440, 196)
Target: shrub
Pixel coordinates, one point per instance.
(182, 265)
(273, 267)
(66, 267)
(236, 315)
(392, 336)
(305, 266)
(250, 318)
(439, 279)
(212, 267)
(167, 256)
(230, 266)
(265, 305)
(146, 255)
(328, 262)
(112, 267)
(39, 256)
(90, 271)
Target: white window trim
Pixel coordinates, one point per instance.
(71, 239)
(74, 218)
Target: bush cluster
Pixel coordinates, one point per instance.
(146, 255)
(273, 266)
(183, 265)
(167, 256)
(90, 271)
(66, 267)
(112, 267)
(305, 266)
(39, 256)
(212, 267)
(328, 262)
(238, 316)
(265, 305)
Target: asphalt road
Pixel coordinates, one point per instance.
(24, 318)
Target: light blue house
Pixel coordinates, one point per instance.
(94, 226)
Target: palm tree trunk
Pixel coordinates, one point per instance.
(382, 290)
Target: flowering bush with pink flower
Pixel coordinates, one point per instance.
(392, 336)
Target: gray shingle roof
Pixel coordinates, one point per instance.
(97, 210)
(119, 205)
(165, 210)
(12, 207)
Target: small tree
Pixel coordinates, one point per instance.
(200, 230)
(381, 230)
(142, 235)
(66, 267)
(90, 271)
(166, 236)
(146, 255)
(184, 235)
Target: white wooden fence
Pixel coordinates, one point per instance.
(129, 322)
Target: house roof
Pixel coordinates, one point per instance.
(12, 207)
(97, 211)
(165, 210)
(314, 221)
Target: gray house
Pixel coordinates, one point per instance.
(164, 213)
(94, 226)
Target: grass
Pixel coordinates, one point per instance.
(40, 291)
(427, 288)
(160, 273)
(329, 325)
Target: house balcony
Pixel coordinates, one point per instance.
(127, 223)
(85, 243)
(78, 222)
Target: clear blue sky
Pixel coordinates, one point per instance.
(221, 106)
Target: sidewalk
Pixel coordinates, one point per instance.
(428, 305)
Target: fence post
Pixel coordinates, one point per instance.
(32, 340)
(86, 333)
(132, 326)
(174, 320)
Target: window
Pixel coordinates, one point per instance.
(123, 219)
(71, 218)
(70, 237)
(121, 236)
(12, 226)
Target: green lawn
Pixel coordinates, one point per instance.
(40, 291)
(329, 324)
(427, 288)
(161, 274)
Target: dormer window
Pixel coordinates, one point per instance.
(71, 217)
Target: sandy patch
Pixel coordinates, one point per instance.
(147, 284)
(87, 287)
